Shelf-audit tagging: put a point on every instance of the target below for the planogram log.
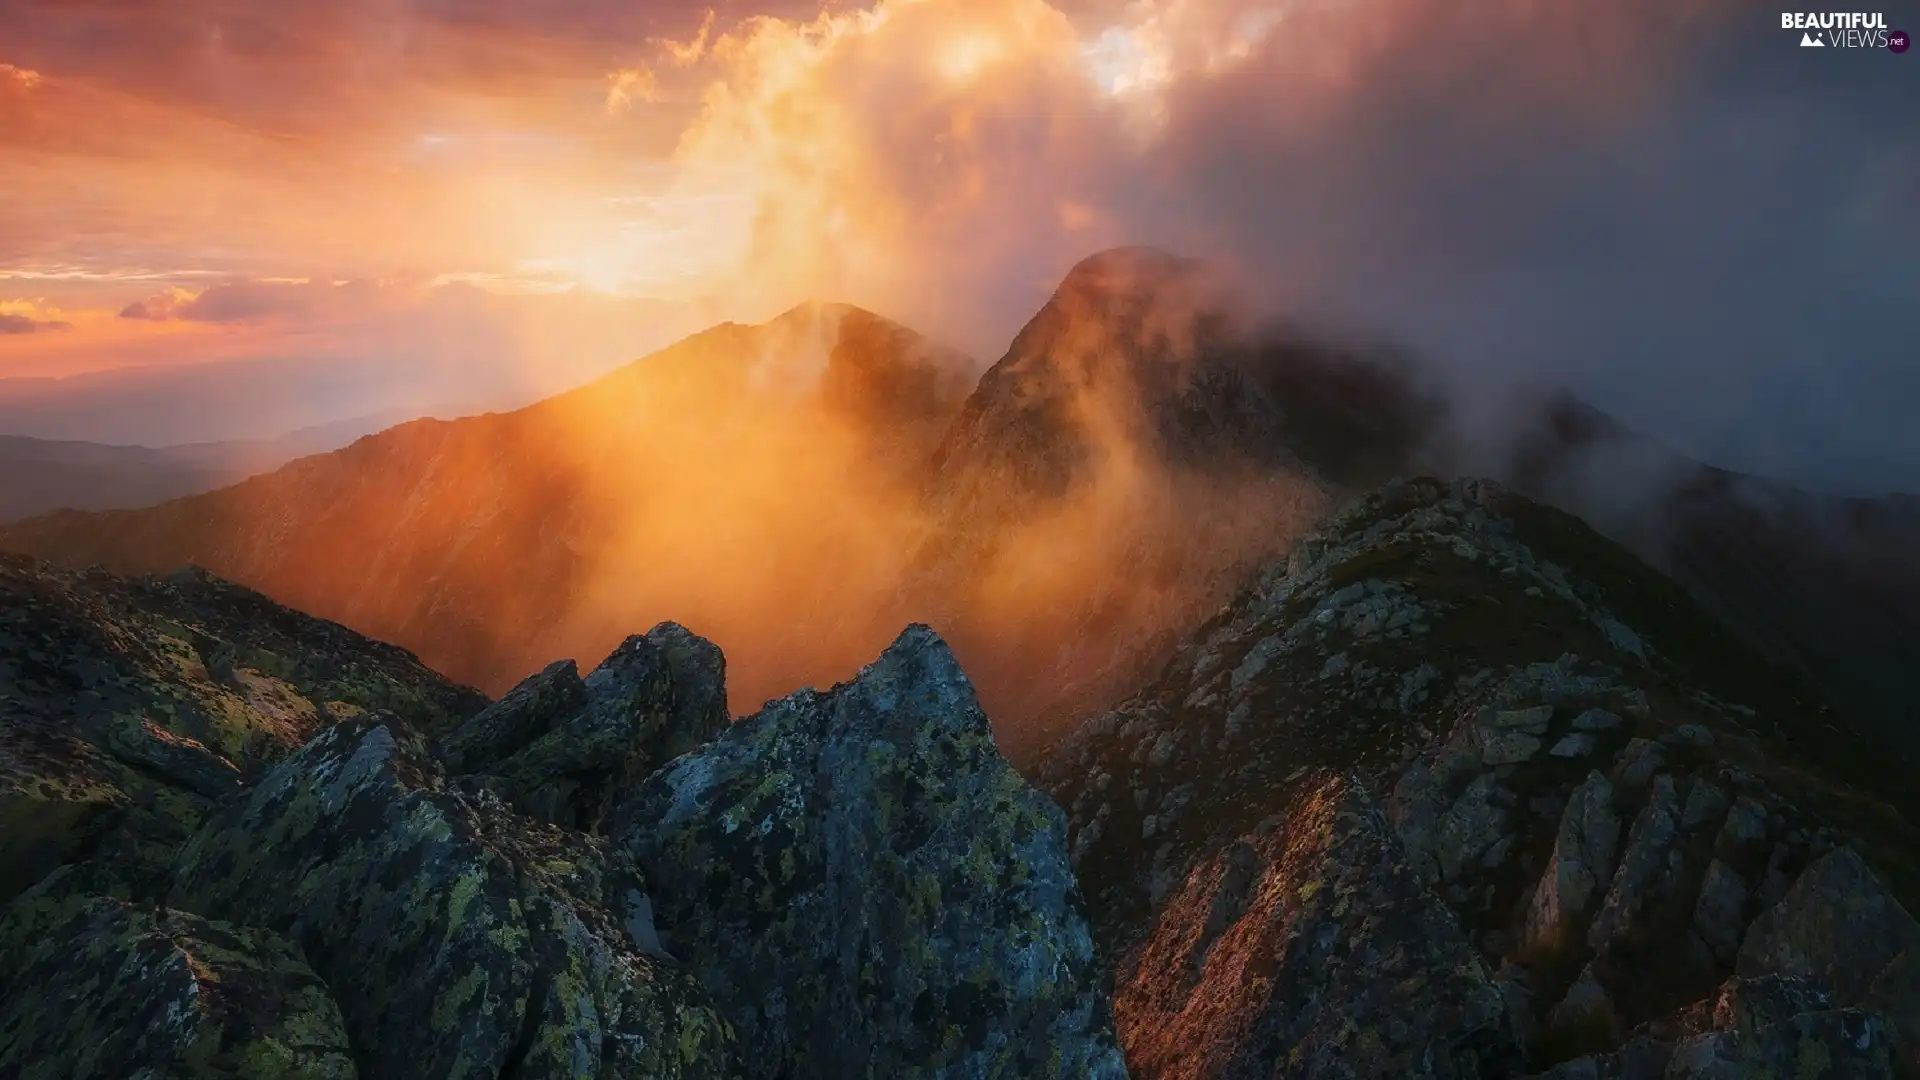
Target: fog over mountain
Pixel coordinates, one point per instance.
(798, 488)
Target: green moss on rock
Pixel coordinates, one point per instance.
(105, 990)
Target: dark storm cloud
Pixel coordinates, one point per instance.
(1711, 234)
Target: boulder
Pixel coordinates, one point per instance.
(542, 701)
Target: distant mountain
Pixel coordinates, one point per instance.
(1136, 450)
(38, 475)
(798, 490)
(749, 478)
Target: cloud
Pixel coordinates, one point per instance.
(21, 317)
(20, 324)
(1663, 203)
(159, 307)
(1682, 217)
(245, 300)
(18, 78)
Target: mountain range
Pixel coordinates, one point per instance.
(40, 475)
(798, 490)
(1163, 720)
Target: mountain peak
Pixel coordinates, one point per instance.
(1139, 261)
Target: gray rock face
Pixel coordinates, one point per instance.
(1582, 859)
(1577, 745)
(1719, 915)
(1509, 748)
(1514, 775)
(1596, 720)
(1641, 759)
(870, 889)
(1752, 1004)
(1470, 828)
(527, 712)
(1586, 1009)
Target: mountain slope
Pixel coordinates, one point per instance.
(129, 708)
(1464, 789)
(38, 475)
(1825, 586)
(1137, 451)
(745, 468)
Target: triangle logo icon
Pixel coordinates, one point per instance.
(1808, 41)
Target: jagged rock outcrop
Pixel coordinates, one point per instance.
(129, 708)
(1615, 804)
(561, 749)
(851, 883)
(1460, 791)
(868, 887)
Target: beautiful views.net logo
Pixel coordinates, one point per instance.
(1844, 30)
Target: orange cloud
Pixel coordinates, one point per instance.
(18, 78)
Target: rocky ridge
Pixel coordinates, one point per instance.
(1459, 790)
(592, 876)
(1462, 790)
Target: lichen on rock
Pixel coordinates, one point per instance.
(474, 940)
(99, 988)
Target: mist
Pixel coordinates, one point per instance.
(1669, 209)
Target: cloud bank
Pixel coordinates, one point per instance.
(1665, 205)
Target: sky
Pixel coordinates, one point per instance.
(1666, 205)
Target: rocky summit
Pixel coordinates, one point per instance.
(1463, 790)
(1459, 790)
